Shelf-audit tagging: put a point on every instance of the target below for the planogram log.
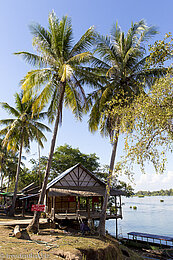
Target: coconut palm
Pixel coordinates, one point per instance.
(20, 130)
(60, 72)
(122, 65)
(8, 164)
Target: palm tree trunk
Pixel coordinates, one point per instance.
(2, 175)
(2, 179)
(33, 226)
(8, 183)
(12, 209)
(108, 186)
(39, 173)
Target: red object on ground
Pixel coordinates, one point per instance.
(38, 207)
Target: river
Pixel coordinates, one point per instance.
(151, 216)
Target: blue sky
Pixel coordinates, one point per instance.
(15, 17)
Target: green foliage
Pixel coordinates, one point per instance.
(8, 163)
(60, 67)
(19, 131)
(155, 193)
(27, 177)
(125, 187)
(146, 122)
(65, 157)
(161, 52)
(23, 126)
(122, 75)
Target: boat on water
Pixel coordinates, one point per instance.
(146, 240)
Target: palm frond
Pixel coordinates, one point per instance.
(6, 121)
(66, 36)
(41, 34)
(31, 58)
(115, 32)
(83, 57)
(11, 110)
(33, 81)
(85, 42)
(43, 98)
(73, 100)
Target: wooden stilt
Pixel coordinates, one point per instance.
(23, 208)
(116, 219)
(53, 208)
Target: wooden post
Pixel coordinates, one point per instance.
(23, 208)
(45, 199)
(88, 207)
(116, 219)
(92, 205)
(120, 207)
(78, 203)
(53, 208)
(101, 202)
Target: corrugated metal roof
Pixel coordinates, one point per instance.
(28, 187)
(29, 196)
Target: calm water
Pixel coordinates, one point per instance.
(151, 216)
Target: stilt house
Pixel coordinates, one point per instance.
(79, 193)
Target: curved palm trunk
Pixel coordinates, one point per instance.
(33, 226)
(2, 176)
(8, 183)
(108, 186)
(39, 173)
(12, 209)
(2, 179)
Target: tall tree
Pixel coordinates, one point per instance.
(122, 65)
(65, 157)
(8, 163)
(20, 130)
(152, 115)
(61, 70)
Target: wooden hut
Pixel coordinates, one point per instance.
(78, 193)
(29, 196)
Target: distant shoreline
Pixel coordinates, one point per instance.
(154, 193)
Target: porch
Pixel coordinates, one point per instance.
(78, 193)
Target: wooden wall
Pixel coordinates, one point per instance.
(62, 204)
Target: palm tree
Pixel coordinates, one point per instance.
(122, 68)
(8, 163)
(20, 130)
(61, 70)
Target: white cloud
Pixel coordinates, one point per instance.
(154, 181)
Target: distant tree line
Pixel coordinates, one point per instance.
(155, 193)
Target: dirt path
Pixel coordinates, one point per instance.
(19, 222)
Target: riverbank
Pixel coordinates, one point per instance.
(53, 243)
(60, 244)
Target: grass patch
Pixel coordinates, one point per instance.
(58, 244)
(51, 244)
